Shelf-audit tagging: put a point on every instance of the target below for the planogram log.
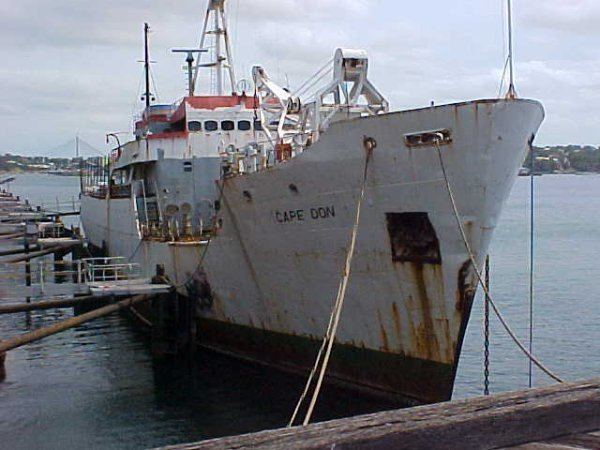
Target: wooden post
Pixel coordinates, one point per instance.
(27, 267)
(42, 277)
(58, 267)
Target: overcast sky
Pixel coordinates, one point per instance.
(71, 66)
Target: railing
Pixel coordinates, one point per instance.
(58, 278)
(61, 205)
(109, 269)
(51, 230)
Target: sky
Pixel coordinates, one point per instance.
(71, 67)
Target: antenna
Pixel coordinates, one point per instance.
(190, 60)
(512, 93)
(216, 11)
(147, 93)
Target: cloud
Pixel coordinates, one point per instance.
(566, 16)
(71, 66)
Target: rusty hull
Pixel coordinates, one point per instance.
(268, 282)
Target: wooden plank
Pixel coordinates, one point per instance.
(543, 446)
(586, 440)
(573, 441)
(484, 422)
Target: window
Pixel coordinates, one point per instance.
(244, 125)
(194, 125)
(258, 125)
(227, 125)
(187, 166)
(211, 125)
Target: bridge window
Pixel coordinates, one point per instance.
(258, 125)
(244, 125)
(227, 125)
(194, 125)
(211, 125)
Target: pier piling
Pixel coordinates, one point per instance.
(27, 267)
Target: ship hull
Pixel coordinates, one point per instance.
(269, 277)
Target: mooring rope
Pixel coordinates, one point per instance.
(334, 318)
(480, 277)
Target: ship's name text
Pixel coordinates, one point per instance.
(301, 215)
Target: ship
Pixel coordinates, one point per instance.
(247, 197)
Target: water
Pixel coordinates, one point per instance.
(97, 386)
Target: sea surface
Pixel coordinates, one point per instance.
(97, 386)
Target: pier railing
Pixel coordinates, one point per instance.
(46, 277)
(109, 269)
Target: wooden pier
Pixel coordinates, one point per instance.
(563, 416)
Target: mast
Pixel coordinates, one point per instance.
(218, 60)
(512, 93)
(215, 27)
(147, 93)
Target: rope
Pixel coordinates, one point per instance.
(334, 318)
(479, 276)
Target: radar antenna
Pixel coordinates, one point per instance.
(215, 27)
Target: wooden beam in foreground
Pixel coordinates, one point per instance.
(484, 422)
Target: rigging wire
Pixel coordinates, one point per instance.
(486, 331)
(531, 255)
(134, 105)
(501, 318)
(501, 88)
(308, 94)
(156, 97)
(309, 79)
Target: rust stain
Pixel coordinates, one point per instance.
(465, 291)
(449, 343)
(426, 338)
(396, 320)
(412, 333)
(383, 334)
